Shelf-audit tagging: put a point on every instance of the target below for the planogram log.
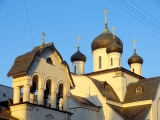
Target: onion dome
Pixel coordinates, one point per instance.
(104, 40)
(114, 47)
(78, 56)
(135, 59)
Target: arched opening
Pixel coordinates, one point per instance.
(133, 70)
(100, 62)
(34, 89)
(47, 94)
(60, 96)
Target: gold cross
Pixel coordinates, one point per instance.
(43, 34)
(134, 41)
(105, 16)
(113, 29)
(78, 39)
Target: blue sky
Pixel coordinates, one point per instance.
(63, 21)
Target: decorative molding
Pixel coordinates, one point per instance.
(119, 73)
(144, 102)
(49, 117)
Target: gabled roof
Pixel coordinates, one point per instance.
(113, 70)
(84, 102)
(107, 93)
(23, 62)
(132, 113)
(149, 90)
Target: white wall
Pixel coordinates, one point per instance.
(119, 84)
(79, 67)
(116, 59)
(104, 58)
(137, 68)
(112, 115)
(32, 112)
(5, 93)
(82, 112)
(155, 108)
(86, 88)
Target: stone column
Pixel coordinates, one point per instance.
(40, 96)
(16, 95)
(32, 98)
(65, 103)
(26, 93)
(53, 100)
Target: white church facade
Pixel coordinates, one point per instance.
(44, 88)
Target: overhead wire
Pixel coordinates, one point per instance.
(144, 11)
(135, 17)
(3, 68)
(139, 14)
(29, 22)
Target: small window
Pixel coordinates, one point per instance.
(100, 62)
(138, 89)
(133, 69)
(4, 95)
(74, 69)
(106, 86)
(49, 61)
(111, 62)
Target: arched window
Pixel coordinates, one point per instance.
(100, 62)
(111, 62)
(74, 69)
(49, 61)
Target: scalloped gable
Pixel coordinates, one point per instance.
(23, 62)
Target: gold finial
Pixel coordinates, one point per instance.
(105, 16)
(78, 39)
(113, 29)
(43, 34)
(134, 41)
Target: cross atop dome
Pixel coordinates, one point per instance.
(113, 29)
(105, 16)
(43, 41)
(134, 41)
(78, 39)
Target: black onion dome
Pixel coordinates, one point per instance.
(114, 47)
(135, 59)
(78, 56)
(104, 40)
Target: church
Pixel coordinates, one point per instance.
(45, 88)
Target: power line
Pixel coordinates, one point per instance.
(144, 17)
(144, 11)
(3, 68)
(29, 22)
(135, 17)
